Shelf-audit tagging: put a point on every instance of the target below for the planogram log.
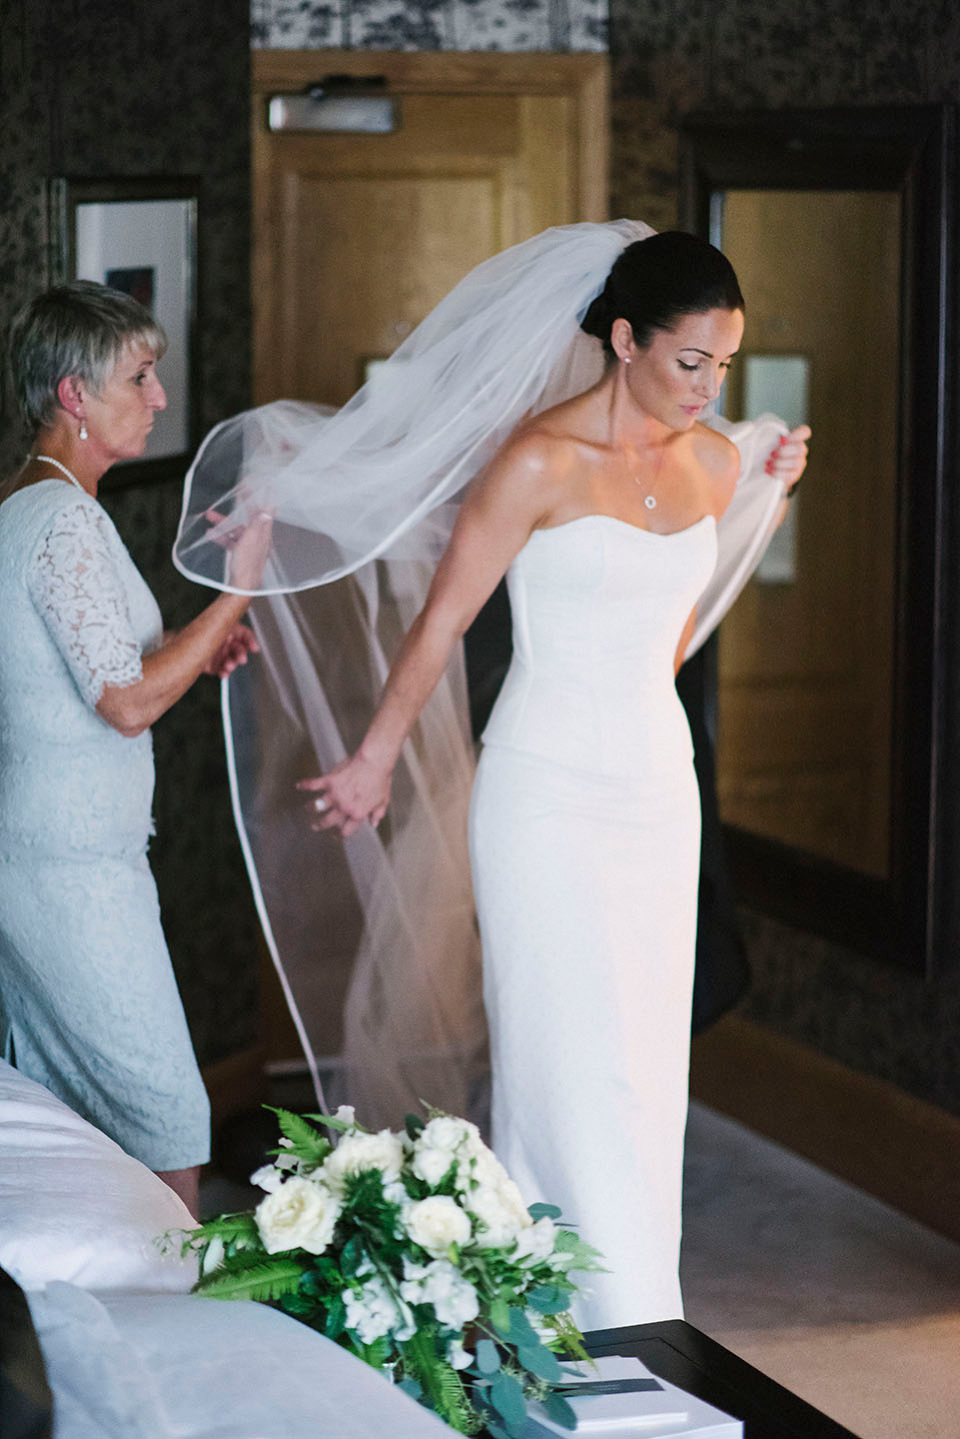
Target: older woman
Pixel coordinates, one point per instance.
(88, 1000)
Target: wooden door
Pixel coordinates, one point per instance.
(357, 236)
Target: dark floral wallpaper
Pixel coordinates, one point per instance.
(92, 88)
(96, 87)
(430, 24)
(670, 57)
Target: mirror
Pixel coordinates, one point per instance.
(826, 680)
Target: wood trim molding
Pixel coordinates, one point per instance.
(585, 77)
(427, 70)
(865, 1130)
(236, 1083)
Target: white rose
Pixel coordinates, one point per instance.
(438, 1145)
(481, 1168)
(457, 1356)
(301, 1214)
(346, 1113)
(394, 1191)
(430, 1164)
(436, 1223)
(536, 1243)
(441, 1284)
(445, 1132)
(373, 1312)
(267, 1177)
(357, 1152)
(501, 1212)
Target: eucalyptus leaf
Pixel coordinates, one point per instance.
(500, 1316)
(544, 1211)
(539, 1361)
(506, 1396)
(560, 1411)
(546, 1298)
(488, 1357)
(497, 1431)
(521, 1331)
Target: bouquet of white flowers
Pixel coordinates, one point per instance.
(415, 1251)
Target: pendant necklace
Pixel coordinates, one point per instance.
(49, 460)
(650, 500)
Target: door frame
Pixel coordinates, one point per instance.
(583, 78)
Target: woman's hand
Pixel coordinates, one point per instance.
(358, 789)
(788, 459)
(239, 644)
(248, 545)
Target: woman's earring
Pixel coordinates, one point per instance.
(83, 430)
(626, 359)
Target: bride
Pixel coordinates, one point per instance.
(605, 509)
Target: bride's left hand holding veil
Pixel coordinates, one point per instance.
(499, 512)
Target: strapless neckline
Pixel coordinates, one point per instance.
(625, 524)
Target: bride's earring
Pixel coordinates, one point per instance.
(626, 359)
(83, 430)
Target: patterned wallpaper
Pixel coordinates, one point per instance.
(430, 24)
(87, 89)
(670, 57)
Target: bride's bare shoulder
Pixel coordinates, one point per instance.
(531, 474)
(720, 458)
(545, 446)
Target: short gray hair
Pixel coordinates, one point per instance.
(78, 329)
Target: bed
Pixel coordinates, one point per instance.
(128, 1352)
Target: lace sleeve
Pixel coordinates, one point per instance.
(75, 586)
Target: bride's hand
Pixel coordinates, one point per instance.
(355, 791)
(788, 459)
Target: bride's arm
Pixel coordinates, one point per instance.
(495, 521)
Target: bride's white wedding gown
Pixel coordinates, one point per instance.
(584, 833)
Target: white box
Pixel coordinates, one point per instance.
(637, 1413)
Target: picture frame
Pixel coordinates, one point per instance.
(140, 236)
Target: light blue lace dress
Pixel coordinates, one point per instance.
(88, 1001)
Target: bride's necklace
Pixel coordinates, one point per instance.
(49, 460)
(650, 499)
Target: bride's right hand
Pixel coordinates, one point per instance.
(355, 791)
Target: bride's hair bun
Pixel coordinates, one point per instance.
(656, 281)
(598, 319)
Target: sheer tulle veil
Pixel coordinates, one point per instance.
(374, 939)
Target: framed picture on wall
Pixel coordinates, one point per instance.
(140, 236)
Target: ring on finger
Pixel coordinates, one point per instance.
(320, 804)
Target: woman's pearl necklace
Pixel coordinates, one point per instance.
(49, 460)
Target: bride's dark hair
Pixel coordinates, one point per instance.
(654, 282)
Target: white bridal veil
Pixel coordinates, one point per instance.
(374, 938)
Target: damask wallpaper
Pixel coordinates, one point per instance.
(93, 88)
(430, 24)
(671, 57)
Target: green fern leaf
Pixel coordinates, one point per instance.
(305, 1141)
(266, 1280)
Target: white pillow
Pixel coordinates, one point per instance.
(178, 1366)
(74, 1206)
